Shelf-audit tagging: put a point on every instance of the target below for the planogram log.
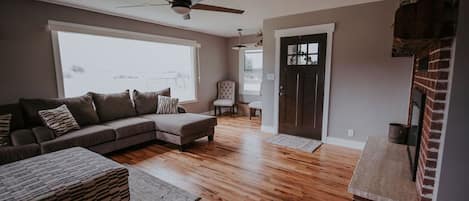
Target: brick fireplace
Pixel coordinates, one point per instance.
(431, 75)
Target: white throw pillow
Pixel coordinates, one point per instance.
(167, 105)
(60, 120)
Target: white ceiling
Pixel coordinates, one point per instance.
(221, 24)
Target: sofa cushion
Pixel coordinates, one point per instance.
(32, 106)
(17, 121)
(182, 124)
(131, 126)
(85, 137)
(16, 153)
(81, 108)
(147, 102)
(22, 137)
(113, 106)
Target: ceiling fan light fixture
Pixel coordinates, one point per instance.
(239, 47)
(181, 9)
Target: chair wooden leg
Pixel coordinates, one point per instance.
(250, 113)
(210, 138)
(215, 110)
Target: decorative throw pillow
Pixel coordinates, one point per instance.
(167, 105)
(60, 120)
(5, 130)
(147, 102)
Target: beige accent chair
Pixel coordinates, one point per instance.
(225, 96)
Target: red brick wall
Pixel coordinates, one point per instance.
(434, 83)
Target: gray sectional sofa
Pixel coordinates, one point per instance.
(108, 122)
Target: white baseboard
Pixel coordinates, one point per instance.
(345, 143)
(267, 129)
(208, 113)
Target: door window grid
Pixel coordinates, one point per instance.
(303, 54)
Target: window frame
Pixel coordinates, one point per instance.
(57, 26)
(241, 66)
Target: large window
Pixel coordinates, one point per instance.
(108, 64)
(250, 71)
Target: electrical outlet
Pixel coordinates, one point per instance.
(350, 132)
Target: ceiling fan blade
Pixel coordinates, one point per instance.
(186, 16)
(216, 8)
(195, 2)
(143, 5)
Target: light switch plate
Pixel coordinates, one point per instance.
(350, 132)
(270, 76)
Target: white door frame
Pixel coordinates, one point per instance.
(301, 31)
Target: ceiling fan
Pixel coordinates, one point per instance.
(184, 7)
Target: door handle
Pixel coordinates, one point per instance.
(281, 91)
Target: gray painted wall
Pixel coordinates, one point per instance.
(233, 65)
(369, 88)
(27, 65)
(454, 176)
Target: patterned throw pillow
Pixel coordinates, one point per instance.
(60, 120)
(5, 130)
(167, 105)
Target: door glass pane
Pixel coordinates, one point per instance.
(292, 49)
(312, 59)
(303, 49)
(291, 60)
(302, 60)
(313, 48)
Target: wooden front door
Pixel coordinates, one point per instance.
(301, 92)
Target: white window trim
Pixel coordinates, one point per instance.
(241, 70)
(301, 31)
(57, 26)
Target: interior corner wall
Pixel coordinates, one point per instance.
(27, 61)
(369, 88)
(233, 65)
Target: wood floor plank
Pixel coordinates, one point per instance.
(240, 165)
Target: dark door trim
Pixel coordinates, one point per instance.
(300, 31)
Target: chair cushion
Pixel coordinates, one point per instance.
(255, 105)
(113, 106)
(146, 102)
(223, 102)
(182, 124)
(81, 108)
(131, 126)
(85, 137)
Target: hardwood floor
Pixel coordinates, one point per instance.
(239, 165)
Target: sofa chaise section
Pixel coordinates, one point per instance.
(182, 128)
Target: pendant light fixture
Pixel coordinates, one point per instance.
(239, 46)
